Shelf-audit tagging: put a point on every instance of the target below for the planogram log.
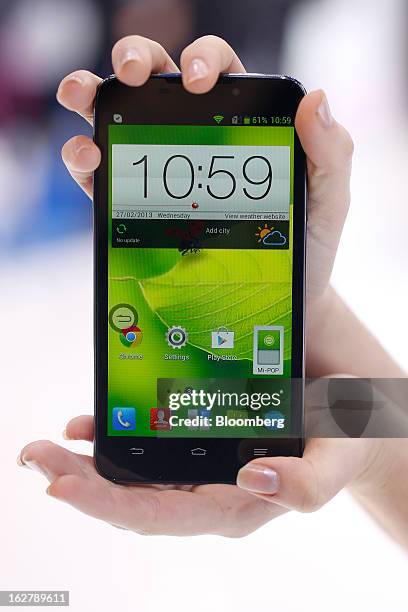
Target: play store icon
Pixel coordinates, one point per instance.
(222, 339)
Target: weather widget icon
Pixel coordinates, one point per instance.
(269, 236)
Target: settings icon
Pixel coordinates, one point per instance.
(176, 336)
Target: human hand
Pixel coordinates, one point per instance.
(221, 509)
(276, 485)
(327, 144)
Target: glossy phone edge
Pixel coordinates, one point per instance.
(98, 464)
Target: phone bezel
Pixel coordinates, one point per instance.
(164, 460)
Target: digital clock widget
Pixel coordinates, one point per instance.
(211, 179)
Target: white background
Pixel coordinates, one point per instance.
(336, 559)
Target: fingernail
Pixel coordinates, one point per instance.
(19, 462)
(64, 435)
(130, 55)
(81, 149)
(72, 78)
(34, 465)
(197, 70)
(324, 113)
(69, 80)
(258, 479)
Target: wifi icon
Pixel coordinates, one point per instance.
(218, 118)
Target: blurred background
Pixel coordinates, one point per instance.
(356, 50)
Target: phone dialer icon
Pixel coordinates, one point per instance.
(124, 419)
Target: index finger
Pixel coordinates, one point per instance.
(134, 58)
(204, 59)
(76, 92)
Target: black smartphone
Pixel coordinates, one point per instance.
(199, 254)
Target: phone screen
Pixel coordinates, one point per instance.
(200, 277)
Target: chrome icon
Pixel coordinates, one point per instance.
(131, 336)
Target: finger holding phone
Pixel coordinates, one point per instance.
(279, 482)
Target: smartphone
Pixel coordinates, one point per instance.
(199, 261)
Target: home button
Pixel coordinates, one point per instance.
(198, 451)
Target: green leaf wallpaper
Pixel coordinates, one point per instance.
(201, 292)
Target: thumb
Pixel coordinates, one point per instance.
(329, 148)
(305, 484)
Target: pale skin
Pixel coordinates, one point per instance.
(267, 487)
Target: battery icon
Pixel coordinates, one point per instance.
(268, 350)
(247, 120)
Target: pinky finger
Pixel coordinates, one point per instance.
(81, 157)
